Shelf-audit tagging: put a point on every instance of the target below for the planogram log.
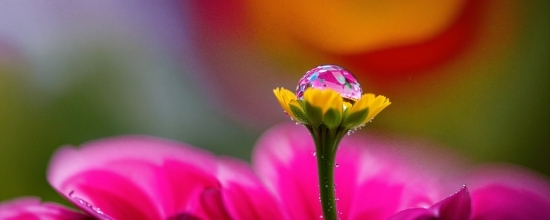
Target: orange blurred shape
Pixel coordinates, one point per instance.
(354, 26)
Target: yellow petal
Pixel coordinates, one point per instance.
(363, 103)
(379, 108)
(335, 102)
(374, 104)
(378, 104)
(324, 99)
(284, 96)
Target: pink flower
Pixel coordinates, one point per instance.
(147, 178)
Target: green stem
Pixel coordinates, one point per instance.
(326, 145)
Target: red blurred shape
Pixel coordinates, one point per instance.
(404, 61)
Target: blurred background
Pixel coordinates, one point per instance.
(469, 75)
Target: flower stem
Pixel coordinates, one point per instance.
(326, 145)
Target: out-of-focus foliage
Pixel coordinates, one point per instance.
(88, 73)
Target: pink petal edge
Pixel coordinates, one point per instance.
(33, 208)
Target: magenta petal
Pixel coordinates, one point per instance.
(88, 208)
(244, 194)
(508, 192)
(31, 208)
(183, 216)
(371, 185)
(135, 177)
(455, 207)
(113, 194)
(185, 185)
(414, 214)
(213, 204)
(285, 162)
(504, 202)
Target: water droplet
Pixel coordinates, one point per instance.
(321, 216)
(337, 165)
(332, 77)
(337, 199)
(314, 153)
(85, 205)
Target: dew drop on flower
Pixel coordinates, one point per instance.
(332, 77)
(337, 165)
(314, 153)
(321, 216)
(85, 205)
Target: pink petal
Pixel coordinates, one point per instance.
(135, 177)
(244, 194)
(30, 208)
(509, 192)
(391, 174)
(283, 158)
(455, 207)
(213, 204)
(414, 214)
(89, 209)
(113, 194)
(374, 183)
